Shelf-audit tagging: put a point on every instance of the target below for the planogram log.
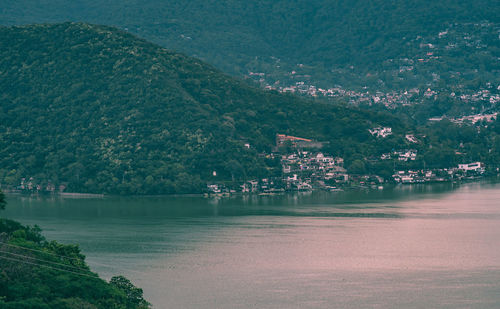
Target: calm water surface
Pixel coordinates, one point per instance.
(408, 247)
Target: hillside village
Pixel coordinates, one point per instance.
(305, 164)
(413, 79)
(307, 168)
(394, 99)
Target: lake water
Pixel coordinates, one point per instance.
(426, 246)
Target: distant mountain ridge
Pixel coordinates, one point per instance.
(325, 31)
(358, 45)
(102, 111)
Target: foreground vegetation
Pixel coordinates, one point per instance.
(41, 274)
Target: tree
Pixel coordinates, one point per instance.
(357, 167)
(2, 200)
(133, 294)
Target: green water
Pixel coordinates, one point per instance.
(434, 246)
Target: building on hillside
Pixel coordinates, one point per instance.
(297, 142)
(475, 167)
(406, 155)
(213, 188)
(381, 132)
(282, 138)
(411, 138)
(476, 118)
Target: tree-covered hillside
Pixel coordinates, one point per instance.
(385, 48)
(99, 110)
(224, 32)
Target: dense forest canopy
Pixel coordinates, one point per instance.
(326, 31)
(238, 36)
(100, 110)
(90, 108)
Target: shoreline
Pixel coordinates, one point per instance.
(78, 195)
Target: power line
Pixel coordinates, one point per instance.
(67, 257)
(47, 266)
(41, 260)
(35, 250)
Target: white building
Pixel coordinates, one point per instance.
(475, 166)
(381, 132)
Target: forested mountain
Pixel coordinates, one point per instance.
(382, 46)
(225, 32)
(102, 111)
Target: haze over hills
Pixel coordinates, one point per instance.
(327, 32)
(100, 110)
(390, 47)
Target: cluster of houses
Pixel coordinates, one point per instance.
(421, 176)
(311, 169)
(301, 171)
(393, 99)
(390, 99)
(30, 185)
(305, 169)
(401, 155)
(469, 170)
(429, 52)
(473, 119)
(469, 119)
